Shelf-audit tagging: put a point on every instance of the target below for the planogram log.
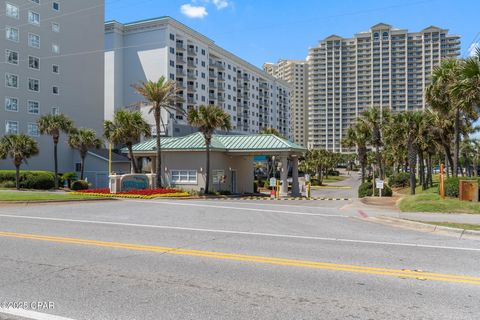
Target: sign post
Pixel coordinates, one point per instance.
(379, 185)
(273, 184)
(442, 182)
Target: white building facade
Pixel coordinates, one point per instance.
(206, 73)
(385, 67)
(52, 62)
(295, 73)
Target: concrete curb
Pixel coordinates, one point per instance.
(55, 201)
(425, 227)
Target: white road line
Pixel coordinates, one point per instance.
(29, 314)
(266, 203)
(240, 208)
(260, 234)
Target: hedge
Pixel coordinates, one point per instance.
(43, 180)
(365, 190)
(79, 185)
(399, 180)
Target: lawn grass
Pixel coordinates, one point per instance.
(331, 179)
(465, 226)
(430, 201)
(39, 195)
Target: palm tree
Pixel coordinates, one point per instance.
(207, 119)
(376, 119)
(271, 131)
(53, 125)
(358, 136)
(83, 140)
(163, 95)
(127, 128)
(18, 147)
(443, 95)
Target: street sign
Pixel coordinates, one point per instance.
(379, 183)
(307, 177)
(273, 182)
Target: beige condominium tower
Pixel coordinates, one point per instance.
(294, 72)
(384, 66)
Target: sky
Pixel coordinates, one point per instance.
(266, 30)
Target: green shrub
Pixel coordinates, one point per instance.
(334, 173)
(365, 190)
(315, 182)
(399, 180)
(69, 177)
(79, 185)
(8, 184)
(224, 192)
(38, 180)
(29, 179)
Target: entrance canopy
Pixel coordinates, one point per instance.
(258, 144)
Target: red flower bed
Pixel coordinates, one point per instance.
(145, 192)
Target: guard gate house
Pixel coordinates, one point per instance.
(231, 160)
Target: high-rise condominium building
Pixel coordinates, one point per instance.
(294, 72)
(206, 73)
(386, 67)
(52, 62)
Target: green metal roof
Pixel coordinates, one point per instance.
(227, 143)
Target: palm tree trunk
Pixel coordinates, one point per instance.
(82, 171)
(429, 170)
(132, 158)
(207, 168)
(17, 176)
(448, 154)
(423, 179)
(412, 162)
(55, 161)
(159, 150)
(379, 162)
(457, 142)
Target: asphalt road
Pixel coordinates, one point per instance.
(164, 259)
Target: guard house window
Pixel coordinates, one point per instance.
(184, 176)
(11, 56)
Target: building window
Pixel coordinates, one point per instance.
(55, 68)
(33, 40)
(55, 90)
(11, 34)
(33, 85)
(33, 62)
(32, 130)
(12, 11)
(55, 110)
(11, 80)
(33, 18)
(55, 27)
(172, 36)
(55, 49)
(11, 104)
(11, 127)
(11, 56)
(33, 107)
(203, 52)
(184, 176)
(56, 6)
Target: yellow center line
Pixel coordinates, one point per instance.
(257, 259)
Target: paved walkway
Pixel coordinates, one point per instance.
(352, 181)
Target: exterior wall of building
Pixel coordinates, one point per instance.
(386, 67)
(294, 72)
(96, 169)
(69, 39)
(207, 74)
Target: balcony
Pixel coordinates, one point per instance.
(191, 51)
(180, 59)
(190, 100)
(212, 96)
(191, 76)
(191, 88)
(180, 85)
(180, 46)
(221, 78)
(212, 85)
(220, 98)
(221, 87)
(180, 72)
(191, 64)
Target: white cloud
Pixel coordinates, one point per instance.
(221, 4)
(473, 49)
(193, 11)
